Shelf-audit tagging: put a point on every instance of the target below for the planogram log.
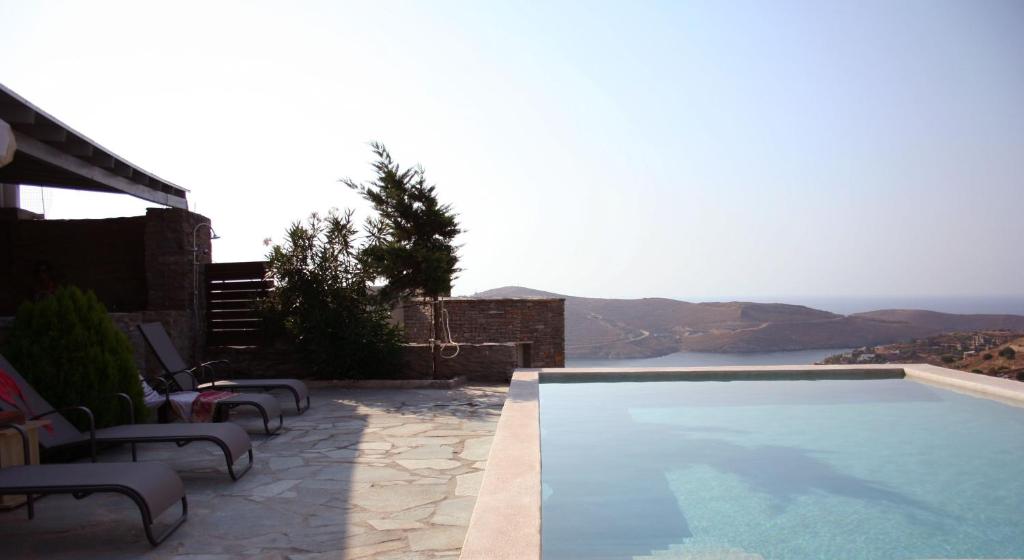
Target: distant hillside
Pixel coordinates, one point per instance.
(998, 361)
(638, 328)
(945, 321)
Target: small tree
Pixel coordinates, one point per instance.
(1009, 353)
(67, 347)
(323, 301)
(410, 241)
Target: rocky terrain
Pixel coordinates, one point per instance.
(648, 327)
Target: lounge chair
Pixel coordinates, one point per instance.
(230, 437)
(154, 487)
(266, 405)
(172, 363)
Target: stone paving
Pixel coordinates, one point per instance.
(368, 474)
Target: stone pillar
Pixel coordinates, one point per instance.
(10, 196)
(173, 272)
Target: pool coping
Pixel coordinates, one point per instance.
(506, 521)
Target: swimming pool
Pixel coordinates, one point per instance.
(885, 469)
(774, 464)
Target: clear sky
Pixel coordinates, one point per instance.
(627, 149)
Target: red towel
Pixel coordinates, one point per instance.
(10, 393)
(203, 406)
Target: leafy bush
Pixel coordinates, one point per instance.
(948, 359)
(976, 371)
(323, 301)
(1009, 353)
(68, 348)
(987, 356)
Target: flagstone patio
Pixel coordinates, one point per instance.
(369, 474)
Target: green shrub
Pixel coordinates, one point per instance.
(1009, 353)
(948, 359)
(976, 371)
(987, 356)
(323, 302)
(68, 348)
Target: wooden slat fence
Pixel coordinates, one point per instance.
(232, 290)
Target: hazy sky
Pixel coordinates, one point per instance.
(628, 149)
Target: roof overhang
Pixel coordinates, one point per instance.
(6, 144)
(49, 153)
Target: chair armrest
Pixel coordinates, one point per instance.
(131, 406)
(209, 372)
(24, 440)
(172, 380)
(200, 373)
(92, 424)
(161, 385)
(164, 389)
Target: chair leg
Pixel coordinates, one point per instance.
(266, 421)
(147, 521)
(231, 467)
(298, 401)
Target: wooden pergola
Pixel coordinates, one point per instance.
(48, 153)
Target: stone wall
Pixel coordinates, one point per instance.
(105, 256)
(139, 267)
(262, 362)
(171, 275)
(492, 362)
(539, 322)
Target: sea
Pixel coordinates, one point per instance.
(695, 359)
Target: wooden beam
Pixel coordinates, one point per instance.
(17, 114)
(123, 169)
(42, 130)
(72, 164)
(102, 159)
(78, 147)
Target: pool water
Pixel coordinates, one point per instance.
(884, 469)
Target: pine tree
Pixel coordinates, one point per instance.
(410, 240)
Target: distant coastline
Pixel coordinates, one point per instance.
(700, 359)
(962, 305)
(631, 329)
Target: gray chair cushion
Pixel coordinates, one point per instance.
(267, 402)
(158, 485)
(232, 435)
(233, 384)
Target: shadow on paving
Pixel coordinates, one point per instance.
(373, 474)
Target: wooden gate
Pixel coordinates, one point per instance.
(232, 292)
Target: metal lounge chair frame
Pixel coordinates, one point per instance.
(160, 343)
(179, 441)
(81, 490)
(221, 434)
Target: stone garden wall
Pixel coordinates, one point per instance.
(536, 322)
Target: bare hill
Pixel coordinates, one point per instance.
(636, 328)
(945, 321)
